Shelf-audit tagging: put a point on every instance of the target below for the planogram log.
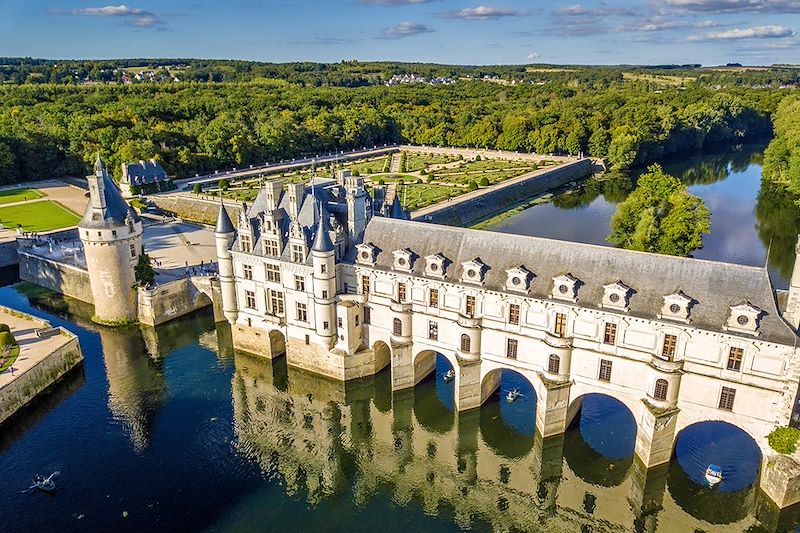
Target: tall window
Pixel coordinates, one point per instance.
(323, 268)
(735, 359)
(668, 349)
(367, 315)
(610, 334)
(364, 284)
(276, 302)
(271, 247)
(466, 343)
(299, 283)
(560, 328)
(401, 292)
(247, 270)
(302, 312)
(245, 243)
(397, 326)
(511, 348)
(433, 330)
(513, 314)
(133, 250)
(605, 370)
(250, 299)
(297, 253)
(553, 364)
(433, 298)
(274, 273)
(726, 398)
(470, 306)
(660, 391)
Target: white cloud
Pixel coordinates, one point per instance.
(735, 6)
(756, 32)
(133, 16)
(534, 55)
(482, 13)
(405, 29)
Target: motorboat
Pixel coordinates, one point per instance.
(512, 395)
(449, 376)
(45, 484)
(713, 474)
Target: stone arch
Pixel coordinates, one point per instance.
(725, 444)
(277, 343)
(434, 400)
(424, 363)
(509, 429)
(382, 354)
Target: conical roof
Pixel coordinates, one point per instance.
(116, 212)
(322, 240)
(224, 224)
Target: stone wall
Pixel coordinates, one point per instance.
(174, 299)
(8, 254)
(501, 197)
(47, 372)
(195, 209)
(59, 277)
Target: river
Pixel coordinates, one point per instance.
(168, 429)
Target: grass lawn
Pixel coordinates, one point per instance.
(18, 195)
(418, 196)
(38, 216)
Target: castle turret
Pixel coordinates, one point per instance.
(792, 314)
(223, 235)
(357, 205)
(324, 263)
(111, 233)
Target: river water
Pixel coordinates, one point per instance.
(168, 429)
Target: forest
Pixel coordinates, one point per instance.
(51, 129)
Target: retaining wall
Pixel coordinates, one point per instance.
(174, 299)
(195, 209)
(59, 277)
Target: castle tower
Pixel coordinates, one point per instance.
(223, 235)
(324, 262)
(357, 202)
(792, 314)
(111, 233)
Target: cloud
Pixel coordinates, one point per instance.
(533, 55)
(405, 29)
(578, 10)
(394, 2)
(578, 20)
(482, 13)
(735, 6)
(132, 16)
(756, 32)
(663, 24)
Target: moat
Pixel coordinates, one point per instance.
(167, 428)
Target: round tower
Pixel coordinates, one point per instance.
(223, 235)
(111, 233)
(323, 260)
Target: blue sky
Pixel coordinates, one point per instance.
(443, 31)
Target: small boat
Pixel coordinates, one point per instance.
(449, 375)
(713, 474)
(512, 395)
(45, 484)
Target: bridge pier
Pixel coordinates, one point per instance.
(655, 434)
(468, 384)
(552, 406)
(402, 366)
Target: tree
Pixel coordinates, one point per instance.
(660, 216)
(223, 185)
(484, 182)
(472, 186)
(144, 270)
(197, 189)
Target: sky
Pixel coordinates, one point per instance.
(710, 32)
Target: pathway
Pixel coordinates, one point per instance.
(394, 167)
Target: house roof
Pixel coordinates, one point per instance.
(143, 172)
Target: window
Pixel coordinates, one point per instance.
(302, 312)
(326, 325)
(271, 247)
(323, 268)
(276, 302)
(610, 334)
(401, 292)
(250, 299)
(364, 284)
(299, 283)
(660, 391)
(357, 319)
(339, 321)
(465, 343)
(324, 295)
(513, 314)
(470, 306)
(605, 370)
(560, 328)
(726, 398)
(397, 326)
(133, 250)
(735, 359)
(553, 364)
(433, 330)
(274, 273)
(433, 298)
(366, 315)
(511, 348)
(297, 253)
(113, 233)
(668, 349)
(245, 244)
(247, 271)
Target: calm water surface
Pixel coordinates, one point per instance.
(168, 429)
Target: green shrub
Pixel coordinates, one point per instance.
(223, 185)
(784, 440)
(484, 182)
(197, 189)
(477, 157)
(4, 327)
(6, 339)
(472, 186)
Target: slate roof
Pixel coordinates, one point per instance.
(224, 224)
(117, 209)
(714, 286)
(143, 172)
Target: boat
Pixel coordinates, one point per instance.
(45, 484)
(512, 395)
(449, 375)
(713, 474)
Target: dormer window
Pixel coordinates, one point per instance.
(744, 318)
(403, 259)
(676, 307)
(436, 265)
(565, 287)
(617, 296)
(365, 254)
(519, 279)
(473, 271)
